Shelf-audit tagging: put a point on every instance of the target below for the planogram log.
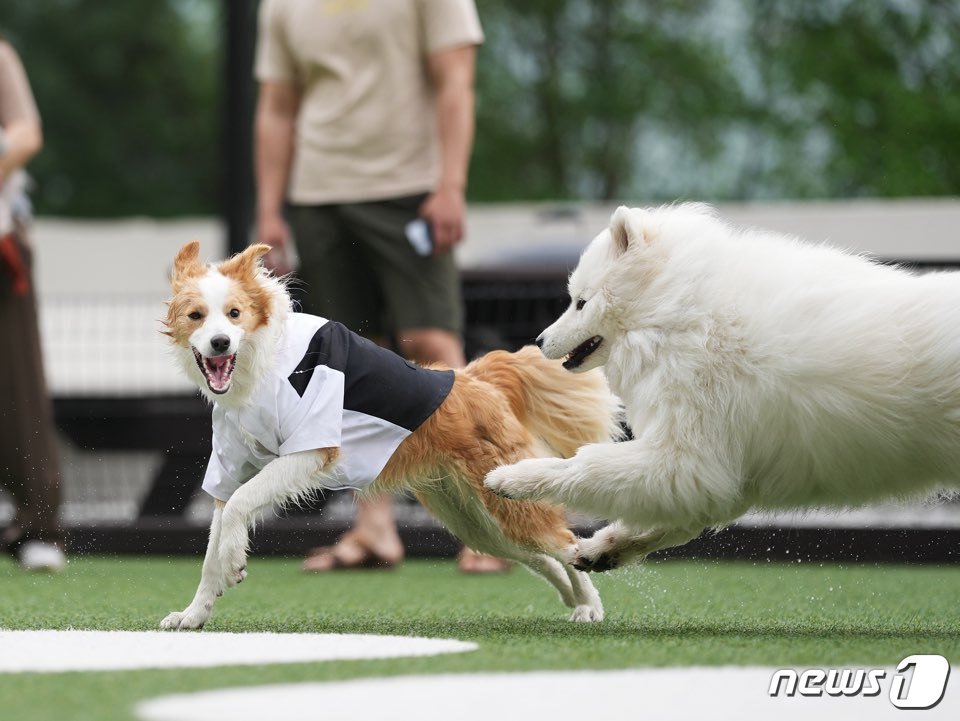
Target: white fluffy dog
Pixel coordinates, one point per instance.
(757, 372)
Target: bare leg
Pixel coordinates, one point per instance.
(470, 561)
(431, 345)
(373, 540)
(376, 525)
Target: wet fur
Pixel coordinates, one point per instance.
(503, 407)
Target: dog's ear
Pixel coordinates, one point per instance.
(626, 229)
(187, 264)
(244, 265)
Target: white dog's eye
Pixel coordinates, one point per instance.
(196, 315)
(580, 303)
(235, 313)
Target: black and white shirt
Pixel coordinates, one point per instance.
(329, 388)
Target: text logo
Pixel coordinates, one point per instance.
(920, 682)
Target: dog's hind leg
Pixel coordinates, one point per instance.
(211, 583)
(589, 606)
(552, 570)
(576, 590)
(514, 530)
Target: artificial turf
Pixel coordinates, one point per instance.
(665, 613)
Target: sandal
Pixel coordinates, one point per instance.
(470, 561)
(349, 553)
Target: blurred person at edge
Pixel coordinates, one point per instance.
(364, 125)
(29, 464)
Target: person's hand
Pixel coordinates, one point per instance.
(445, 210)
(272, 229)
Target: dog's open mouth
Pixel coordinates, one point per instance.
(578, 355)
(218, 370)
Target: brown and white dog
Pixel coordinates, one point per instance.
(228, 324)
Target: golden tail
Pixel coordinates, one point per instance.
(480, 426)
(563, 409)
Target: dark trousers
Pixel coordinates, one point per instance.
(29, 461)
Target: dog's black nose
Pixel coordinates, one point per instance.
(220, 343)
(539, 342)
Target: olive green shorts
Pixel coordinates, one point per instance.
(357, 267)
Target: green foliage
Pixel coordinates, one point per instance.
(634, 99)
(128, 92)
(877, 84)
(722, 99)
(566, 87)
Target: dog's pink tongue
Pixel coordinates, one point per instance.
(218, 370)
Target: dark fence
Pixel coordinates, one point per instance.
(135, 451)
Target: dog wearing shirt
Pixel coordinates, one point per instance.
(302, 405)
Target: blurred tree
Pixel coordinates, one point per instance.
(566, 87)
(864, 96)
(128, 92)
(635, 99)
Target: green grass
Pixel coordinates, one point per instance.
(668, 613)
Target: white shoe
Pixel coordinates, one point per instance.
(41, 556)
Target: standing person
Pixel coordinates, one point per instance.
(364, 125)
(29, 465)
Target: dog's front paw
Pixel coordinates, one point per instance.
(498, 481)
(187, 620)
(526, 479)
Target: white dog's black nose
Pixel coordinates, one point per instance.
(220, 343)
(539, 341)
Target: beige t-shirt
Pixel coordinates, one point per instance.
(366, 129)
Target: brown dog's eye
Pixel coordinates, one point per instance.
(196, 315)
(235, 313)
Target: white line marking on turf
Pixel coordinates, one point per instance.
(53, 651)
(665, 694)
